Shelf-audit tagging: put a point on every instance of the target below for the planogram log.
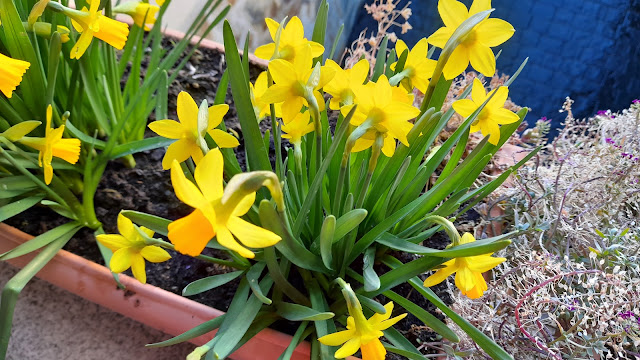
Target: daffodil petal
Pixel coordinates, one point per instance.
(185, 190)
(457, 63)
(126, 228)
(500, 97)
(273, 26)
(187, 111)
(464, 107)
(440, 37)
(465, 280)
(266, 51)
(389, 146)
(349, 348)
(401, 46)
(243, 206)
(208, 175)
(362, 144)
(337, 338)
(491, 129)
(483, 263)
(155, 254)
(223, 139)
(479, 6)
(178, 151)
(216, 114)
(121, 260)
(251, 235)
(482, 59)
(191, 233)
(378, 318)
(504, 116)
(138, 268)
(493, 32)
(169, 129)
(282, 72)
(452, 12)
(113, 242)
(225, 239)
(442, 274)
(478, 93)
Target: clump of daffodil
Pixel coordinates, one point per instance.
(53, 145)
(385, 110)
(294, 84)
(418, 69)
(11, 72)
(290, 43)
(217, 211)
(143, 13)
(492, 116)
(190, 132)
(476, 47)
(468, 271)
(361, 333)
(342, 86)
(257, 90)
(91, 23)
(130, 249)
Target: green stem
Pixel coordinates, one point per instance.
(373, 162)
(351, 141)
(170, 246)
(448, 227)
(280, 281)
(397, 78)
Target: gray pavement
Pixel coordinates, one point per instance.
(53, 324)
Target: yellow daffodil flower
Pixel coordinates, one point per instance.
(190, 139)
(476, 47)
(130, 249)
(143, 14)
(342, 86)
(295, 129)
(292, 40)
(213, 216)
(388, 110)
(468, 271)
(91, 23)
(291, 83)
(257, 90)
(493, 114)
(418, 68)
(52, 144)
(362, 333)
(11, 72)
(20, 130)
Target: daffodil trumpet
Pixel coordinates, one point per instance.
(454, 41)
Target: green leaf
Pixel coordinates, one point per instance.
(155, 223)
(371, 279)
(402, 343)
(300, 334)
(133, 147)
(295, 312)
(210, 282)
(41, 240)
(347, 222)
(257, 156)
(320, 27)
(381, 58)
(18, 206)
(326, 240)
(253, 276)
(15, 185)
(371, 304)
(406, 353)
(478, 247)
(199, 330)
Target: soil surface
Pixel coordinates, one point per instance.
(147, 188)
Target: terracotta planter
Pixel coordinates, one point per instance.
(141, 302)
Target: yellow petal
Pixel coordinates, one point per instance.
(465, 280)
(81, 44)
(282, 72)
(498, 100)
(493, 32)
(126, 228)
(191, 233)
(251, 235)
(401, 47)
(112, 32)
(373, 350)
(113, 242)
(349, 348)
(440, 37)
(243, 206)
(491, 129)
(478, 6)
(360, 71)
(442, 274)
(457, 63)
(316, 49)
(155, 254)
(67, 149)
(277, 94)
(121, 260)
(208, 175)
(452, 12)
(178, 151)
(337, 338)
(478, 93)
(483, 263)
(11, 72)
(223, 140)
(138, 268)
(185, 190)
(482, 59)
(362, 144)
(169, 129)
(464, 107)
(216, 114)
(225, 239)
(389, 146)
(187, 111)
(266, 51)
(272, 26)
(504, 116)
(378, 318)
(292, 31)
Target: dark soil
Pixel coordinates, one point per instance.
(147, 188)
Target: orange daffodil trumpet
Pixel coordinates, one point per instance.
(130, 250)
(218, 211)
(290, 42)
(11, 72)
(476, 46)
(361, 334)
(492, 115)
(468, 271)
(53, 145)
(190, 131)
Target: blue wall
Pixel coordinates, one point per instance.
(586, 49)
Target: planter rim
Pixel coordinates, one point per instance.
(150, 305)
